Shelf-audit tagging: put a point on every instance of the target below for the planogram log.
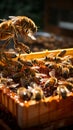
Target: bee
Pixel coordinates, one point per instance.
(68, 84)
(25, 63)
(17, 25)
(65, 72)
(37, 93)
(50, 82)
(70, 80)
(62, 91)
(57, 67)
(70, 67)
(62, 53)
(24, 93)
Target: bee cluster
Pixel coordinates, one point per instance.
(38, 78)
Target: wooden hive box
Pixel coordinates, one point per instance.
(52, 110)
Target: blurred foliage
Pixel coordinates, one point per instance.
(30, 8)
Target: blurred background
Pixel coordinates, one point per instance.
(49, 15)
(54, 19)
(30, 8)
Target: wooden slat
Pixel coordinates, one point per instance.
(3, 125)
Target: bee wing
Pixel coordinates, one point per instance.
(12, 17)
(3, 20)
(31, 36)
